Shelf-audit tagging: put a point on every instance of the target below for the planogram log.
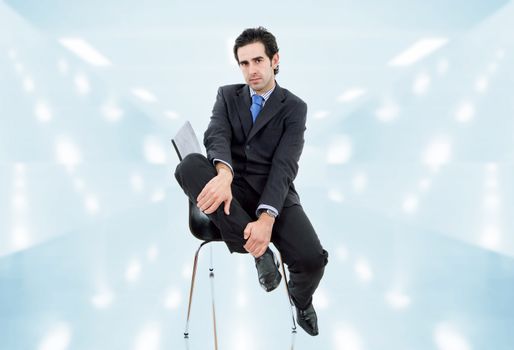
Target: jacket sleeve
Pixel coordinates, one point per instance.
(284, 165)
(218, 136)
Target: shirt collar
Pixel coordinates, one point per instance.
(266, 95)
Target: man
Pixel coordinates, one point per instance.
(245, 185)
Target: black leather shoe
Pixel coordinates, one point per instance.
(267, 271)
(308, 320)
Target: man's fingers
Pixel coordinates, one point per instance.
(262, 250)
(250, 245)
(203, 193)
(203, 197)
(205, 190)
(227, 206)
(208, 201)
(248, 231)
(258, 251)
(250, 250)
(201, 203)
(212, 208)
(205, 203)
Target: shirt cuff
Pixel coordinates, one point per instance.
(263, 207)
(214, 161)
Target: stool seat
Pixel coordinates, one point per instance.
(200, 225)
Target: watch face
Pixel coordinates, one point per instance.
(270, 213)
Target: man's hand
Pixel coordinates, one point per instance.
(217, 191)
(258, 235)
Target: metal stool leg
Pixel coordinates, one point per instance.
(293, 328)
(193, 277)
(211, 277)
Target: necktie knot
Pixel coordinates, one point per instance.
(255, 108)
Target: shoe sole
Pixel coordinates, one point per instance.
(275, 284)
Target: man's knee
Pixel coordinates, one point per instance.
(312, 261)
(189, 165)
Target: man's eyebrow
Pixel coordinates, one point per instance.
(253, 59)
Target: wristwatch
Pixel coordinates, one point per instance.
(269, 212)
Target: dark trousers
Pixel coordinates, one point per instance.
(293, 234)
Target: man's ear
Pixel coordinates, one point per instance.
(275, 60)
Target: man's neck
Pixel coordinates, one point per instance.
(263, 91)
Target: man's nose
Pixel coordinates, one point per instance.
(253, 68)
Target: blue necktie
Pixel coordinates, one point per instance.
(256, 106)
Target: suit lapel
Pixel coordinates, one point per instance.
(271, 108)
(243, 108)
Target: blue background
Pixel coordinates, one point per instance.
(405, 174)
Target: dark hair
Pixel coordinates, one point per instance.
(261, 35)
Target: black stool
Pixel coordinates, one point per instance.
(186, 142)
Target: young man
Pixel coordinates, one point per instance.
(245, 185)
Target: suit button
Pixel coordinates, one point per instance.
(248, 147)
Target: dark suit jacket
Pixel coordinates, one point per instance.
(266, 153)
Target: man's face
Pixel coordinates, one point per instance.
(257, 68)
